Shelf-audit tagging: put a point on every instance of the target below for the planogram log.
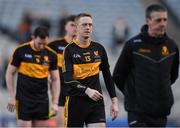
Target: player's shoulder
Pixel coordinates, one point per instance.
(22, 46)
(50, 50)
(97, 44)
(58, 40)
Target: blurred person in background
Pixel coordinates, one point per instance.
(62, 21)
(83, 60)
(146, 69)
(120, 32)
(23, 33)
(44, 22)
(59, 46)
(33, 61)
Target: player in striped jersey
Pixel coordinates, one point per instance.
(33, 61)
(83, 60)
(59, 46)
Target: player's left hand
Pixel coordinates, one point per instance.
(54, 108)
(114, 109)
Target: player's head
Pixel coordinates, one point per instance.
(70, 25)
(156, 19)
(84, 25)
(40, 38)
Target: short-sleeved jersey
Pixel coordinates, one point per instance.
(33, 69)
(85, 62)
(59, 46)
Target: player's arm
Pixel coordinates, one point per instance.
(109, 85)
(55, 85)
(55, 89)
(175, 67)
(55, 82)
(79, 89)
(10, 72)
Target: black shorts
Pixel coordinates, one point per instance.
(80, 110)
(30, 110)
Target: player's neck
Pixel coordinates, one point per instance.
(69, 38)
(34, 46)
(83, 41)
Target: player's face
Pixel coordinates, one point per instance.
(157, 23)
(84, 27)
(39, 43)
(71, 28)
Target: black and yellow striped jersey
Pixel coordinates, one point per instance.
(59, 46)
(82, 65)
(33, 69)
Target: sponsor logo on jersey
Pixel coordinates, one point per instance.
(144, 50)
(76, 55)
(28, 55)
(61, 48)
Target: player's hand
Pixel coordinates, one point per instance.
(114, 108)
(54, 108)
(11, 105)
(93, 94)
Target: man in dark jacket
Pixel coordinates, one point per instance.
(146, 69)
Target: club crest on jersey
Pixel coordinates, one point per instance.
(96, 53)
(37, 60)
(46, 59)
(164, 51)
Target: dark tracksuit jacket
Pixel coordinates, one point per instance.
(145, 72)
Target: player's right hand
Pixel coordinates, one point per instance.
(11, 105)
(93, 94)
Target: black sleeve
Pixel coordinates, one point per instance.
(107, 75)
(105, 63)
(16, 58)
(109, 82)
(175, 67)
(53, 62)
(123, 67)
(75, 86)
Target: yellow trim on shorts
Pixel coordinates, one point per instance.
(66, 111)
(17, 106)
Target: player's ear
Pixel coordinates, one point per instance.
(32, 36)
(147, 20)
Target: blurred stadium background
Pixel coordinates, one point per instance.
(19, 17)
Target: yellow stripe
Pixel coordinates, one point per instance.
(66, 110)
(82, 71)
(17, 108)
(50, 49)
(81, 45)
(33, 70)
(60, 60)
